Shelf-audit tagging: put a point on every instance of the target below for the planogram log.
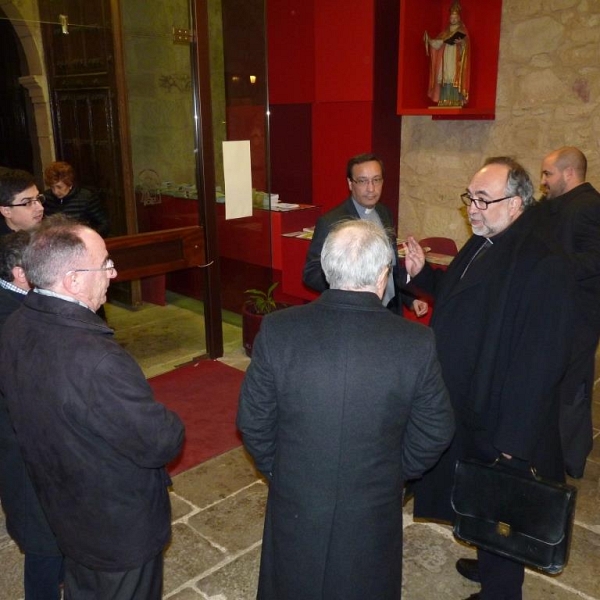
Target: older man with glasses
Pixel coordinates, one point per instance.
(503, 328)
(364, 174)
(93, 438)
(21, 203)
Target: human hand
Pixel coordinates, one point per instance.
(414, 257)
(420, 307)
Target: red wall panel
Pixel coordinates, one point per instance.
(291, 45)
(344, 32)
(340, 130)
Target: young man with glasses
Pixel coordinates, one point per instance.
(21, 203)
(94, 439)
(503, 323)
(364, 174)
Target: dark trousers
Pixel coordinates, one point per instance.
(501, 578)
(144, 583)
(43, 577)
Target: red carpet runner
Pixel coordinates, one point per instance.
(205, 396)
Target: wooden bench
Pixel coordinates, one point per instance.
(157, 252)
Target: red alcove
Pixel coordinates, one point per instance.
(482, 20)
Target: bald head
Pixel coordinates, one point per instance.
(563, 170)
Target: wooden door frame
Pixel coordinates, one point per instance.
(205, 175)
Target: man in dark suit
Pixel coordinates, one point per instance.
(25, 520)
(364, 174)
(336, 430)
(570, 218)
(503, 326)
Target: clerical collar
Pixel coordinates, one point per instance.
(361, 210)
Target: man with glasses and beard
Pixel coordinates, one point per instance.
(503, 327)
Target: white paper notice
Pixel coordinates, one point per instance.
(238, 179)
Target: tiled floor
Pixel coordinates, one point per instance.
(218, 511)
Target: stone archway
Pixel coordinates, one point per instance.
(25, 20)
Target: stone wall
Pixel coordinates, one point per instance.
(547, 97)
(25, 18)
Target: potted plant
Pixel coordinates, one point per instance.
(257, 305)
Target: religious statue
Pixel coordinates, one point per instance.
(450, 62)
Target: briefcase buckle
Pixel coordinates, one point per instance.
(503, 529)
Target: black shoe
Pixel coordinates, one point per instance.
(469, 568)
(473, 596)
(574, 474)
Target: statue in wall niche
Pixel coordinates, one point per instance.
(450, 62)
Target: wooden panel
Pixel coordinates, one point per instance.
(291, 152)
(81, 80)
(156, 253)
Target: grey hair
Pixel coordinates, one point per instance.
(518, 182)
(355, 254)
(12, 247)
(55, 249)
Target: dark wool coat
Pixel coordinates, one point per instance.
(313, 275)
(504, 335)
(92, 436)
(337, 427)
(25, 520)
(572, 223)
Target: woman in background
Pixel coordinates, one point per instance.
(65, 196)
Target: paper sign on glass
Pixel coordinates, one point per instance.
(238, 179)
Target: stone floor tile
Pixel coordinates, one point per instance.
(236, 581)
(11, 587)
(215, 479)
(186, 594)
(581, 572)
(588, 497)
(547, 587)
(188, 556)
(235, 523)
(179, 507)
(430, 554)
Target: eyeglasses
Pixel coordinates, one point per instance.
(28, 202)
(467, 200)
(109, 265)
(364, 181)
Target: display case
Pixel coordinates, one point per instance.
(482, 20)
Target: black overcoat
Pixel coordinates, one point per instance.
(93, 438)
(336, 426)
(504, 335)
(572, 222)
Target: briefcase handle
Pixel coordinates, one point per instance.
(507, 463)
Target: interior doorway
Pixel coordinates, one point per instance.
(16, 148)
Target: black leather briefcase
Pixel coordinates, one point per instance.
(514, 513)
